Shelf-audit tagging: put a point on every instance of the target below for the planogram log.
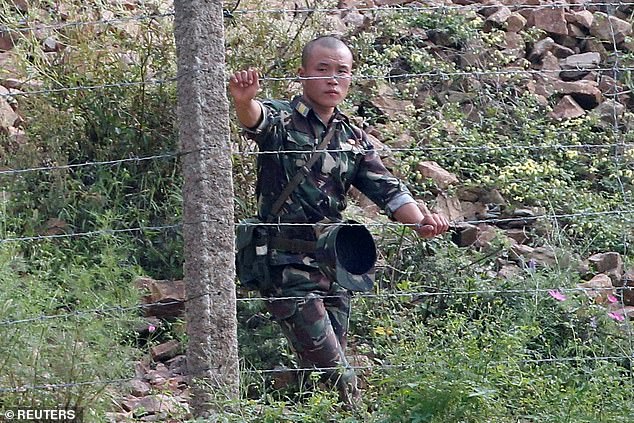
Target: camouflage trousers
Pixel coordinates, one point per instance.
(315, 322)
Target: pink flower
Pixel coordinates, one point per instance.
(151, 328)
(616, 316)
(557, 294)
(612, 299)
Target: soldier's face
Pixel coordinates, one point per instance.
(333, 68)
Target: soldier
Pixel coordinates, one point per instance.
(311, 303)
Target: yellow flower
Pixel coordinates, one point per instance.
(383, 331)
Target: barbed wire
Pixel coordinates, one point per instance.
(410, 366)
(357, 77)
(84, 164)
(386, 149)
(229, 13)
(431, 8)
(38, 26)
(123, 84)
(55, 386)
(371, 368)
(89, 233)
(414, 295)
(294, 224)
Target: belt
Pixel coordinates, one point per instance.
(292, 245)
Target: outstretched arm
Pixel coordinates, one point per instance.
(426, 224)
(244, 86)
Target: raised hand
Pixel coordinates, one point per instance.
(244, 85)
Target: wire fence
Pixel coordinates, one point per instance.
(617, 148)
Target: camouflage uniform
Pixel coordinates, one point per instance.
(315, 321)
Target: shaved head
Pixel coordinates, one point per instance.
(325, 41)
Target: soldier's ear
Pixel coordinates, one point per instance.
(301, 72)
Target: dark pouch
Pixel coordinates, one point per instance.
(252, 258)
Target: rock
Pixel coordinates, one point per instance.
(499, 17)
(575, 32)
(542, 256)
(551, 20)
(8, 38)
(440, 176)
(165, 350)
(388, 103)
(177, 365)
(609, 263)
(590, 60)
(21, 5)
(51, 45)
(464, 234)
(518, 235)
(585, 93)
(577, 66)
(582, 17)
(540, 48)
(610, 112)
(628, 311)
(509, 271)
(138, 388)
(159, 375)
(513, 45)
(163, 298)
(366, 206)
(515, 23)
(8, 117)
(561, 51)
(567, 108)
(473, 211)
(283, 377)
(450, 207)
(550, 65)
(626, 285)
(492, 196)
(598, 288)
(610, 28)
(154, 404)
(486, 234)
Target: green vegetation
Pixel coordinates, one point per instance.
(447, 339)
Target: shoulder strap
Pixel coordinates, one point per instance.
(301, 174)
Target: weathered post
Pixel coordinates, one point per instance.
(203, 116)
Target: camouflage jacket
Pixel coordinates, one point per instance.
(287, 135)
